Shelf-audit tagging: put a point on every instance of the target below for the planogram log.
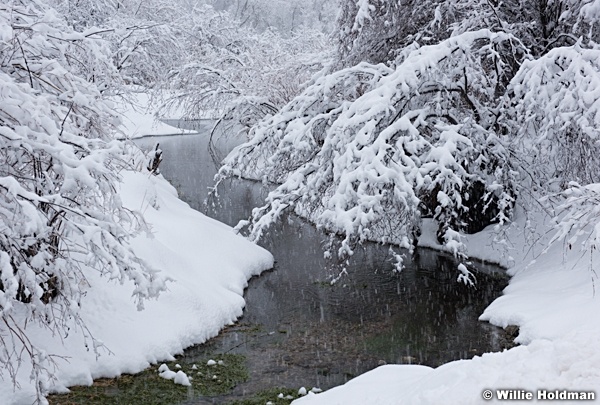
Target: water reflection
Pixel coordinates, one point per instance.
(300, 330)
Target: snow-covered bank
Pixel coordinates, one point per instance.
(139, 120)
(210, 267)
(551, 297)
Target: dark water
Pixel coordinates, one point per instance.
(300, 330)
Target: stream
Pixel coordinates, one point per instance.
(298, 329)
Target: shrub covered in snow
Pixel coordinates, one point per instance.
(60, 216)
(455, 129)
(367, 150)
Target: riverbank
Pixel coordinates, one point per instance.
(304, 331)
(209, 266)
(551, 297)
(138, 118)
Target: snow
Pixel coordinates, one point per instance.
(138, 119)
(167, 374)
(363, 14)
(182, 379)
(178, 377)
(209, 266)
(551, 297)
(359, 151)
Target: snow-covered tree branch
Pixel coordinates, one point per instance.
(368, 150)
(239, 74)
(474, 101)
(60, 215)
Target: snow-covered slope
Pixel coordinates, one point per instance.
(209, 266)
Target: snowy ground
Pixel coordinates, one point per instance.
(551, 297)
(210, 266)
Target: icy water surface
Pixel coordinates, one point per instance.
(300, 330)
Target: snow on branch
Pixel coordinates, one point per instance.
(590, 10)
(578, 216)
(556, 114)
(60, 215)
(363, 14)
(366, 151)
(228, 66)
(578, 222)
